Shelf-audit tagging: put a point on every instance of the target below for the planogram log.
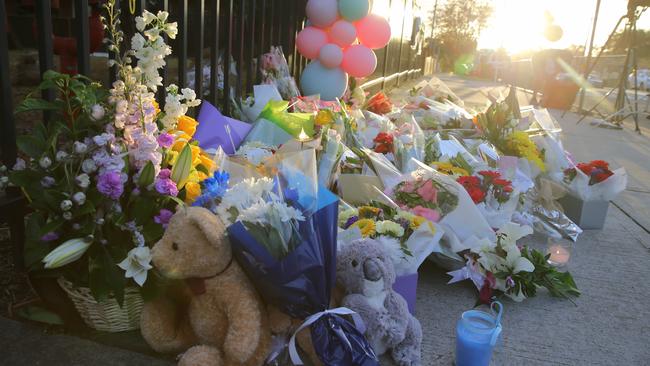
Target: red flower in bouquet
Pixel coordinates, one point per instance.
(601, 164)
(469, 181)
(486, 293)
(585, 168)
(490, 174)
(597, 170)
(379, 103)
(383, 143)
(477, 194)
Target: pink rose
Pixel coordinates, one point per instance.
(428, 192)
(427, 213)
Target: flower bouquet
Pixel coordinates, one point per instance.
(379, 104)
(275, 70)
(283, 233)
(505, 269)
(590, 188)
(107, 162)
(408, 239)
(493, 195)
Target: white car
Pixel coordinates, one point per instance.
(642, 79)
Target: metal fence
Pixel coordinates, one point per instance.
(209, 31)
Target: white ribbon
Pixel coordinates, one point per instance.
(358, 323)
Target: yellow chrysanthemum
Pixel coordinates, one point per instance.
(449, 169)
(368, 212)
(192, 190)
(366, 226)
(324, 117)
(521, 145)
(187, 125)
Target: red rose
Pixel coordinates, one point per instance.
(383, 143)
(507, 189)
(380, 104)
(485, 294)
(599, 177)
(585, 168)
(501, 182)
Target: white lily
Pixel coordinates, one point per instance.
(65, 253)
(136, 264)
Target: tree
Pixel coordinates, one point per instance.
(459, 24)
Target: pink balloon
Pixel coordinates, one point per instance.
(330, 56)
(359, 61)
(322, 13)
(373, 31)
(310, 40)
(343, 33)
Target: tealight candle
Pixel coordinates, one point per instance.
(559, 253)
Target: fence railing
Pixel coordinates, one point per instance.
(211, 34)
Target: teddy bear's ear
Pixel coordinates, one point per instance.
(210, 225)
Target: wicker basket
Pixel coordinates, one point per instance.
(106, 316)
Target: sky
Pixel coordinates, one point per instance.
(518, 25)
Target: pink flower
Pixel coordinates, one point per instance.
(407, 187)
(427, 213)
(428, 192)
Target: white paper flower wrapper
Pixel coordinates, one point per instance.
(497, 215)
(606, 190)
(555, 157)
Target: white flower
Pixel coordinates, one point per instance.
(162, 16)
(61, 155)
(138, 42)
(136, 264)
(512, 232)
(66, 205)
(80, 147)
(387, 227)
(188, 94)
(45, 162)
(345, 215)
(97, 112)
(172, 30)
(254, 152)
(82, 180)
(88, 166)
(65, 253)
(67, 215)
(79, 198)
(20, 164)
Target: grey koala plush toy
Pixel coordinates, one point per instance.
(366, 274)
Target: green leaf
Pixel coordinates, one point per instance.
(30, 145)
(39, 314)
(142, 210)
(36, 104)
(23, 178)
(181, 169)
(106, 277)
(35, 250)
(147, 175)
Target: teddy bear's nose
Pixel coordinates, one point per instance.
(371, 270)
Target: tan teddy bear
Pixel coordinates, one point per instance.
(220, 315)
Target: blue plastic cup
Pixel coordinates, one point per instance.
(477, 333)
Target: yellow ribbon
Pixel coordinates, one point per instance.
(132, 6)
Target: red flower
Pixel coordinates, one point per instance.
(601, 176)
(469, 181)
(383, 143)
(380, 104)
(507, 189)
(602, 164)
(501, 182)
(585, 168)
(476, 193)
(485, 294)
(490, 174)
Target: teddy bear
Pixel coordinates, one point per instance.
(366, 274)
(217, 315)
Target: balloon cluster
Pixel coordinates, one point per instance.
(339, 37)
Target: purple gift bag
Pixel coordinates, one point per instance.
(407, 286)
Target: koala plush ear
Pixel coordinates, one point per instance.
(210, 225)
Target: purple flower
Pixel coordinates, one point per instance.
(510, 283)
(166, 186)
(110, 184)
(50, 236)
(351, 221)
(163, 217)
(165, 140)
(164, 174)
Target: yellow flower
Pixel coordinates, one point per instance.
(207, 162)
(519, 144)
(170, 157)
(192, 190)
(368, 212)
(180, 142)
(196, 151)
(324, 117)
(449, 169)
(366, 226)
(156, 107)
(187, 125)
(416, 221)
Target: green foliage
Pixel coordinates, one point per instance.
(559, 284)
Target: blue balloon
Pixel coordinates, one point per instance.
(318, 79)
(353, 10)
